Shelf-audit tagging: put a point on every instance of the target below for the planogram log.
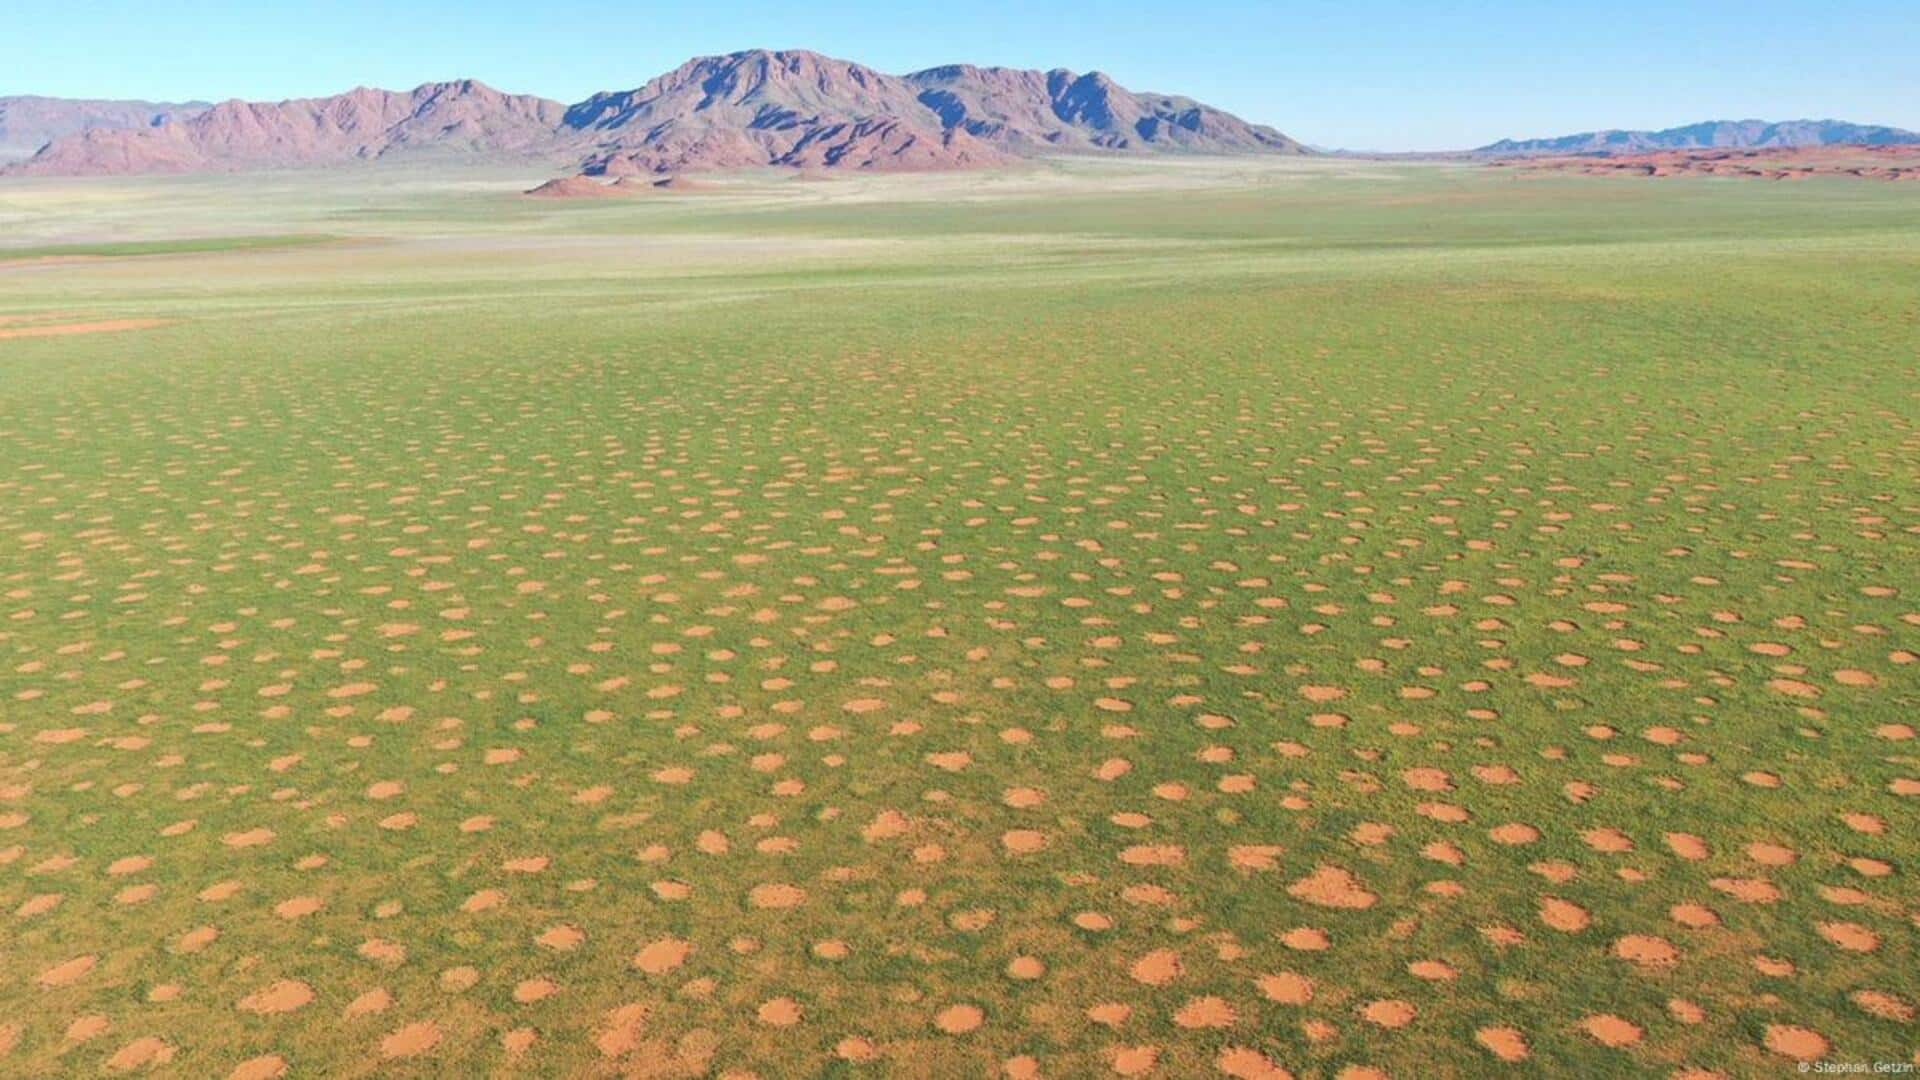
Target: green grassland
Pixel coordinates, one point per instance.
(1199, 620)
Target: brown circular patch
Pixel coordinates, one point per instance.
(1025, 968)
(298, 907)
(620, 1028)
(280, 997)
(140, 1053)
(484, 900)
(959, 1019)
(855, 1048)
(1610, 1030)
(1796, 1043)
(1694, 916)
(66, 972)
(1246, 1063)
(528, 991)
(1156, 968)
(561, 938)
(1881, 1004)
(776, 896)
(1306, 939)
(265, 1067)
(1023, 841)
(1514, 833)
(1505, 1043)
(1564, 915)
(780, 1012)
(661, 956)
(1287, 988)
(1388, 1013)
(1851, 937)
(1646, 950)
(519, 1040)
(1333, 887)
(1206, 1012)
(411, 1041)
(1688, 846)
(1747, 890)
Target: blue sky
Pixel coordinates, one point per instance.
(1371, 74)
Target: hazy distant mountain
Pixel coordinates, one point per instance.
(1711, 134)
(27, 123)
(461, 116)
(1897, 161)
(792, 108)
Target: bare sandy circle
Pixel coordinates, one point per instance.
(776, 896)
(1306, 939)
(283, 996)
(855, 1048)
(1505, 1043)
(1332, 887)
(1133, 1060)
(1286, 987)
(264, 1067)
(1563, 915)
(1514, 833)
(528, 991)
(1796, 1043)
(67, 971)
(1694, 916)
(1025, 968)
(1246, 1063)
(1610, 1030)
(1388, 1013)
(1646, 950)
(779, 1012)
(959, 1019)
(620, 1029)
(1885, 1006)
(1157, 968)
(142, 1052)
(1023, 841)
(663, 955)
(1206, 1012)
(1849, 936)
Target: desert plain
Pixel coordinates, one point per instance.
(1202, 617)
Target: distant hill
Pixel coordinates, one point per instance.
(1061, 110)
(27, 123)
(1711, 134)
(769, 108)
(1890, 162)
(463, 116)
(753, 108)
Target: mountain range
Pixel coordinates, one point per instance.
(789, 108)
(27, 123)
(754, 108)
(1711, 134)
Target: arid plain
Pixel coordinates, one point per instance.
(1247, 618)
